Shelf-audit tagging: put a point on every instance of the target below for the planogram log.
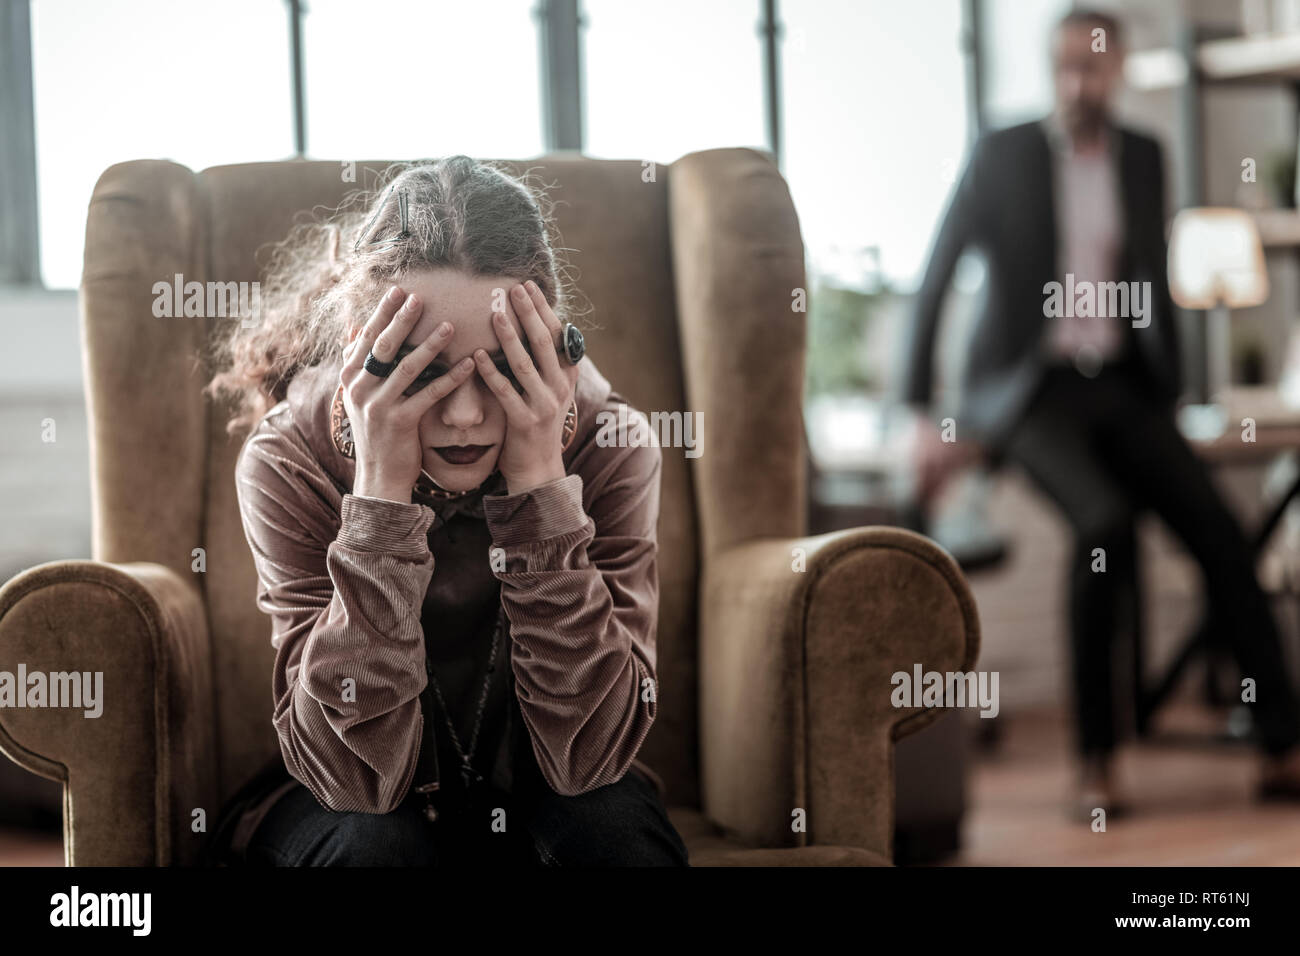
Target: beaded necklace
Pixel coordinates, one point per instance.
(469, 775)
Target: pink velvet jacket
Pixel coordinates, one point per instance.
(358, 588)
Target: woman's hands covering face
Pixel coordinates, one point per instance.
(385, 412)
(537, 401)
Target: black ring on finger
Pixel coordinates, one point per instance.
(376, 367)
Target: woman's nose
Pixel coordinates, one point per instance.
(463, 408)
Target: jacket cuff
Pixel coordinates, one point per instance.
(393, 527)
(547, 511)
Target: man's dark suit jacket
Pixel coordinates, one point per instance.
(1005, 205)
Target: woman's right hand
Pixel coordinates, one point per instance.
(385, 422)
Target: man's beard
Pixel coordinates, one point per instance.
(1085, 119)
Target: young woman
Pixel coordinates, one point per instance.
(459, 566)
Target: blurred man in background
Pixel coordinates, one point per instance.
(1082, 396)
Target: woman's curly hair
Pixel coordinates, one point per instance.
(466, 214)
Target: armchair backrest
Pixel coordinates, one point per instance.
(691, 275)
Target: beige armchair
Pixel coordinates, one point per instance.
(774, 682)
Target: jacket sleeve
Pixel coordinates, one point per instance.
(582, 596)
(961, 223)
(345, 609)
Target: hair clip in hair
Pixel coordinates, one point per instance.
(402, 201)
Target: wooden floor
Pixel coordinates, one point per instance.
(1192, 806)
(25, 848)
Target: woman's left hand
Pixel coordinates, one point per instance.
(534, 418)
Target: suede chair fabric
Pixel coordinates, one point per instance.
(774, 682)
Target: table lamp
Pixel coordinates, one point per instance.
(1216, 263)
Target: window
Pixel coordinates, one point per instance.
(664, 80)
(395, 79)
(1018, 58)
(201, 84)
(875, 131)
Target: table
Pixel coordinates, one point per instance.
(1277, 432)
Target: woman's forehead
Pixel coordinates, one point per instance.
(467, 302)
(454, 291)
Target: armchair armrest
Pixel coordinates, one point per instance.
(134, 773)
(795, 678)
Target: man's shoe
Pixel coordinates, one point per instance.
(1096, 791)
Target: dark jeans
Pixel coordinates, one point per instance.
(1104, 450)
(621, 824)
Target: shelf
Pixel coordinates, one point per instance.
(1274, 56)
(1268, 57)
